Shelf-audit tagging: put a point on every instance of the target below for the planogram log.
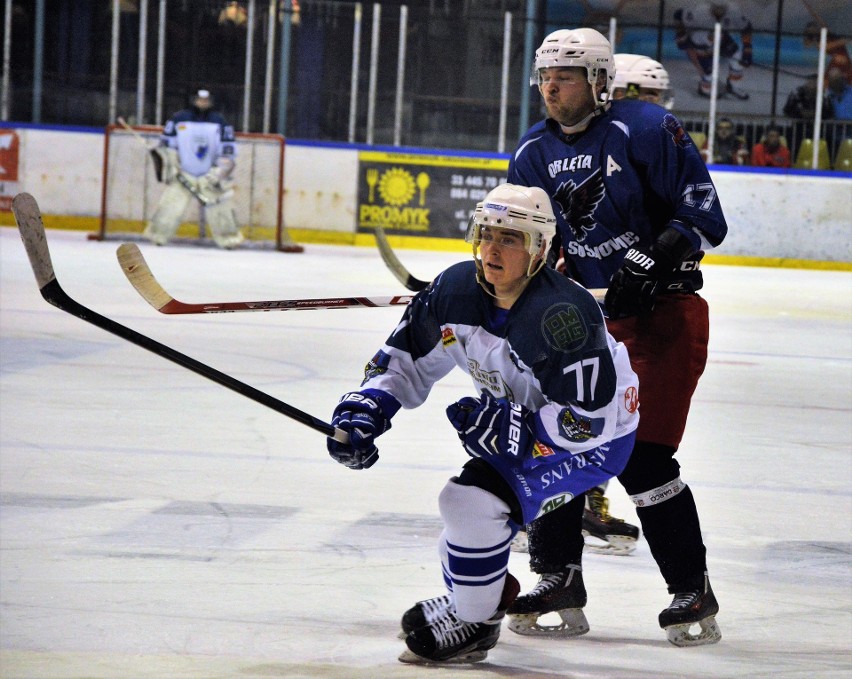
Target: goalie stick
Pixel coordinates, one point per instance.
(415, 284)
(139, 274)
(31, 228)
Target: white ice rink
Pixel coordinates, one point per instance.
(155, 524)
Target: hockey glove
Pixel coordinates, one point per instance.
(364, 415)
(488, 426)
(633, 288)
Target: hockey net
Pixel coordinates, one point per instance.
(130, 190)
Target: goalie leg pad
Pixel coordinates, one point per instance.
(222, 222)
(168, 215)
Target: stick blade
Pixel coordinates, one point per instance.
(396, 267)
(136, 270)
(30, 225)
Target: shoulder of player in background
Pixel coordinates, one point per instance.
(639, 115)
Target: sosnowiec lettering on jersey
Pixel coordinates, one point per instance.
(550, 353)
(199, 140)
(633, 172)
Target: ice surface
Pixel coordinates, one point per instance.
(155, 524)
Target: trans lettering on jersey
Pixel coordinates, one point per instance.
(561, 471)
(583, 162)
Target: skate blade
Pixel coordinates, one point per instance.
(410, 658)
(574, 624)
(679, 635)
(614, 545)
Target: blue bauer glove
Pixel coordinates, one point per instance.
(488, 426)
(363, 415)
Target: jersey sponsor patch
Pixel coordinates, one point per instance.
(631, 400)
(448, 337)
(579, 428)
(554, 502)
(377, 365)
(541, 450)
(563, 327)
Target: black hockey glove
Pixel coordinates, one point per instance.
(633, 288)
(364, 415)
(487, 426)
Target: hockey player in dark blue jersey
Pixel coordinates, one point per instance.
(556, 414)
(636, 210)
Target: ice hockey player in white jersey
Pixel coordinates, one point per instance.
(195, 160)
(556, 412)
(694, 35)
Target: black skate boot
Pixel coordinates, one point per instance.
(563, 593)
(736, 92)
(696, 607)
(424, 613)
(451, 640)
(609, 535)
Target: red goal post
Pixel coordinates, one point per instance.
(130, 190)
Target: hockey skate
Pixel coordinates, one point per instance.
(735, 92)
(562, 593)
(696, 607)
(424, 613)
(451, 640)
(605, 534)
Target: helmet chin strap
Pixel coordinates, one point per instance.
(584, 123)
(485, 285)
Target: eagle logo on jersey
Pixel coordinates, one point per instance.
(672, 125)
(577, 203)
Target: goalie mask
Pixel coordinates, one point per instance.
(635, 73)
(519, 208)
(579, 47)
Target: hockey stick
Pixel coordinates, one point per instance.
(139, 274)
(392, 262)
(415, 284)
(31, 228)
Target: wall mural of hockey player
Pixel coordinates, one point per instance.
(694, 35)
(535, 438)
(197, 155)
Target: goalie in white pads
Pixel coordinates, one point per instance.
(556, 412)
(195, 159)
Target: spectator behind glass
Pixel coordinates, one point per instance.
(840, 94)
(770, 152)
(728, 148)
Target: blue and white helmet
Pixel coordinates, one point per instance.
(520, 208)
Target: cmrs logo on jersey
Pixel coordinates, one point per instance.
(672, 125)
(577, 203)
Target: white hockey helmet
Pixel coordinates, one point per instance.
(577, 47)
(644, 72)
(520, 208)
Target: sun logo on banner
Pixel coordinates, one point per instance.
(397, 187)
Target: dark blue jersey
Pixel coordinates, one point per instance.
(633, 172)
(551, 351)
